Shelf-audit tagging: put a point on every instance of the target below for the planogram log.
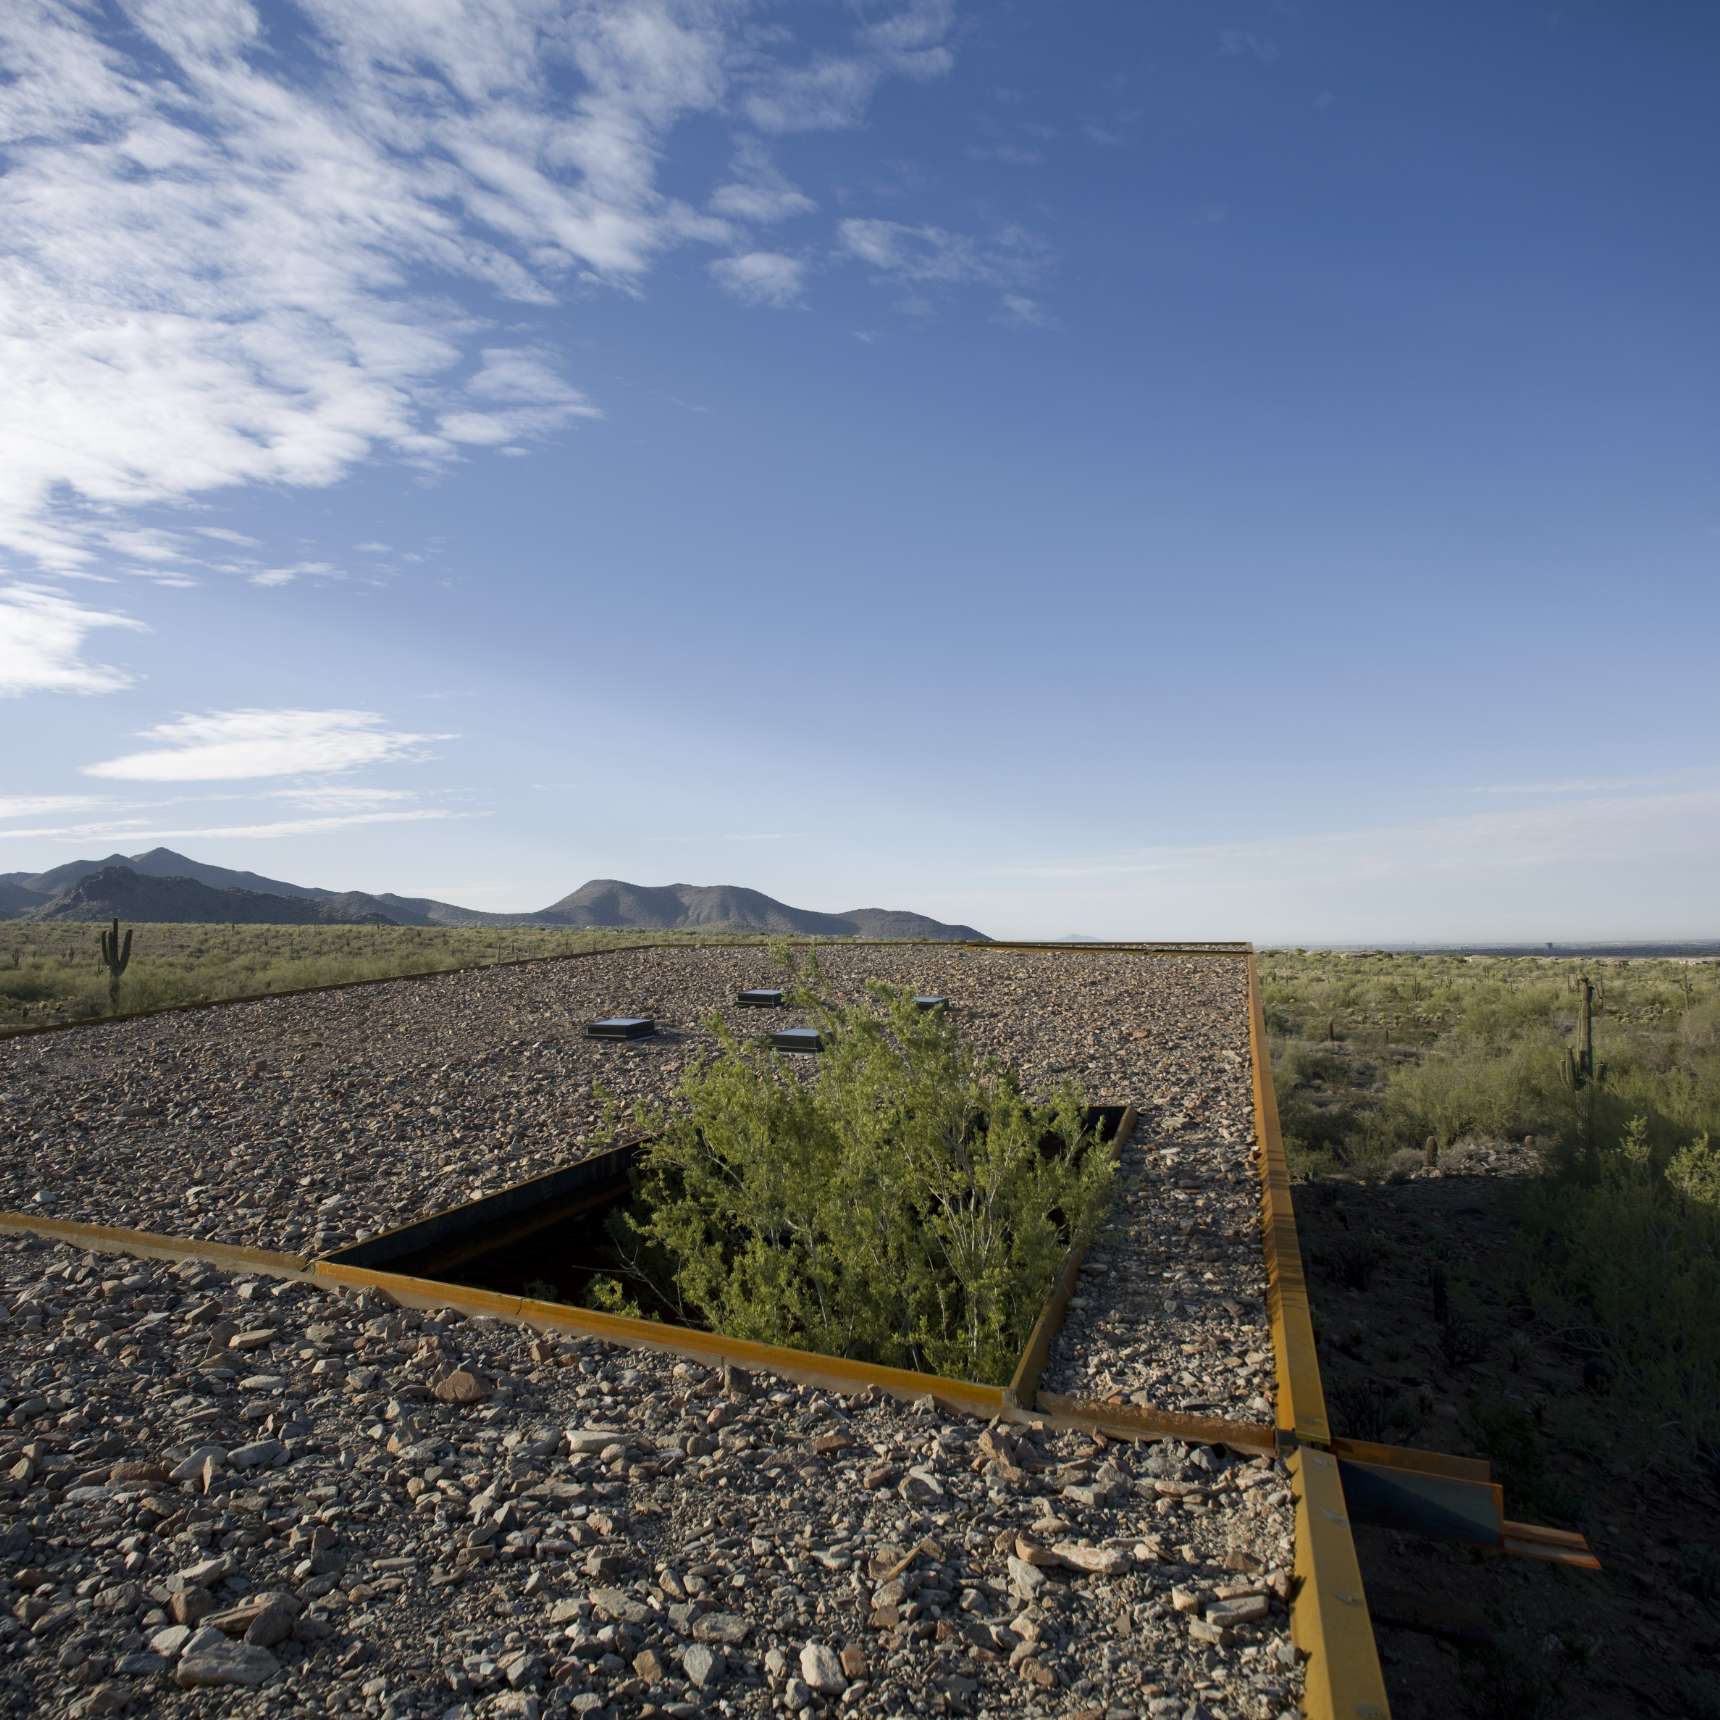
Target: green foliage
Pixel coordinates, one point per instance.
(1618, 1256)
(890, 1205)
(1372, 1055)
(608, 1296)
(46, 975)
(1694, 1170)
(1629, 1246)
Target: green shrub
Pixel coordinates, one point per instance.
(890, 1205)
(1631, 1253)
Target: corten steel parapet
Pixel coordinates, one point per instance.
(1329, 1619)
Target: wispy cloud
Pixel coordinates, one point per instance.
(761, 277)
(1017, 310)
(37, 805)
(932, 257)
(1602, 829)
(830, 92)
(223, 272)
(42, 637)
(1577, 785)
(141, 829)
(337, 797)
(232, 745)
(936, 254)
(1247, 45)
(758, 192)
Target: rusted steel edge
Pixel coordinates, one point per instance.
(1552, 1546)
(809, 1367)
(1301, 1397)
(1475, 1469)
(1142, 1421)
(1522, 1540)
(111, 1239)
(1024, 1383)
(618, 1150)
(712, 1348)
(39, 1028)
(1329, 1619)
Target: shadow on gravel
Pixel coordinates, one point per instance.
(1426, 1339)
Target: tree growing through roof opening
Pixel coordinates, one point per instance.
(893, 1204)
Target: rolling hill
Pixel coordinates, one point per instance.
(117, 892)
(161, 885)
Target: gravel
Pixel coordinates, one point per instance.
(223, 1494)
(235, 1495)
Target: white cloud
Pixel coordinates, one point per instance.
(41, 644)
(228, 745)
(1020, 311)
(139, 829)
(36, 805)
(1602, 828)
(934, 255)
(831, 91)
(761, 277)
(1558, 869)
(332, 797)
(222, 272)
(758, 192)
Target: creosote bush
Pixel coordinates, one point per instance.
(891, 1204)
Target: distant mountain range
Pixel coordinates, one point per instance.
(163, 886)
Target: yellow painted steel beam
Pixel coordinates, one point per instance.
(1552, 1546)
(1329, 1619)
(1301, 1397)
(712, 1348)
(1142, 1421)
(111, 1239)
(1023, 1386)
(1475, 1469)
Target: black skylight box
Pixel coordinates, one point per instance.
(927, 1001)
(798, 1039)
(621, 1027)
(760, 998)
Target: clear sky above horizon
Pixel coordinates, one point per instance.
(1142, 470)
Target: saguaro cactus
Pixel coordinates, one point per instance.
(1582, 1074)
(1580, 1068)
(116, 957)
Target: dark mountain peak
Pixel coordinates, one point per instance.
(731, 907)
(121, 892)
(160, 884)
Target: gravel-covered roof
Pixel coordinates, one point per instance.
(228, 1495)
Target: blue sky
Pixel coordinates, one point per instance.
(1147, 470)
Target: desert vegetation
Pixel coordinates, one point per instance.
(1389, 1067)
(60, 971)
(904, 1203)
